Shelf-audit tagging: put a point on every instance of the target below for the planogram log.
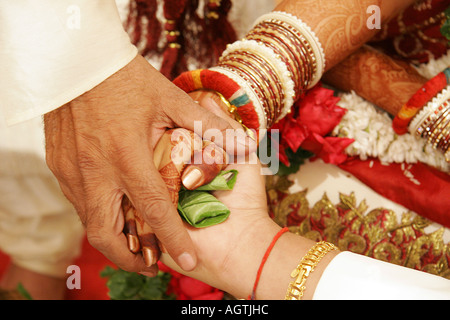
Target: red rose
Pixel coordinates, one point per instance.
(319, 111)
(315, 116)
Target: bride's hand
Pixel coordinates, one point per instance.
(174, 150)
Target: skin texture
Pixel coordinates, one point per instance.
(386, 82)
(230, 253)
(341, 26)
(39, 286)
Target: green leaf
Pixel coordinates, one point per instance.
(296, 159)
(125, 285)
(107, 272)
(156, 288)
(445, 29)
(201, 209)
(223, 181)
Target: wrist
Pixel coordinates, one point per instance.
(240, 269)
(275, 277)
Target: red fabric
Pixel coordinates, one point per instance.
(417, 187)
(215, 81)
(91, 263)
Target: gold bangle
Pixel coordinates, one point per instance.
(297, 287)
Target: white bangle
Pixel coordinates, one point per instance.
(281, 69)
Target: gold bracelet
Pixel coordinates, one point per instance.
(297, 287)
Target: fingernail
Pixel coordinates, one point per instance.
(161, 246)
(192, 178)
(186, 261)
(133, 243)
(149, 257)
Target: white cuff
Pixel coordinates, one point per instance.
(356, 277)
(53, 51)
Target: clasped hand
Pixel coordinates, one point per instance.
(101, 147)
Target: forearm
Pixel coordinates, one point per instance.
(283, 259)
(376, 77)
(54, 51)
(338, 275)
(238, 274)
(341, 26)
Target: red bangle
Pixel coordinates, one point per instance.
(207, 79)
(263, 261)
(428, 91)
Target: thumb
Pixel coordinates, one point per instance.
(150, 196)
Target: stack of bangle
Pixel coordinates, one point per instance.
(275, 63)
(433, 122)
(425, 94)
(263, 74)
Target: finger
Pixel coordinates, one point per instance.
(212, 102)
(150, 196)
(205, 166)
(104, 228)
(172, 153)
(130, 228)
(139, 235)
(149, 243)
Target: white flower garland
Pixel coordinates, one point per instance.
(371, 128)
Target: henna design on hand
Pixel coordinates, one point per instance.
(376, 77)
(177, 149)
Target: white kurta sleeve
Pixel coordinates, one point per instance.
(52, 51)
(356, 277)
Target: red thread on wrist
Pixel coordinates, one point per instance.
(264, 259)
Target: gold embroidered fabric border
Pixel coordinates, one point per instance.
(352, 227)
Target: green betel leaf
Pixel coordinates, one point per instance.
(223, 181)
(200, 208)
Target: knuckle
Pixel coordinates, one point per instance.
(156, 211)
